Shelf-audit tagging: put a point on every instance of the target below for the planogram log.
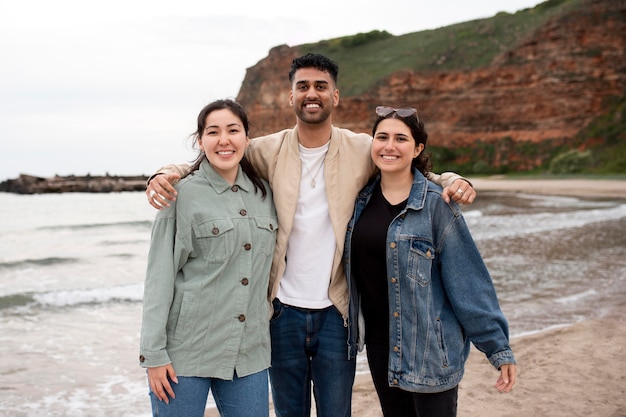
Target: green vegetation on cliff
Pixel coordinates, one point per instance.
(365, 58)
(600, 149)
(606, 137)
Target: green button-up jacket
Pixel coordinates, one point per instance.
(206, 307)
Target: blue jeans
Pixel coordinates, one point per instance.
(242, 397)
(310, 347)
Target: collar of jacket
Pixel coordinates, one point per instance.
(219, 184)
(417, 196)
(333, 147)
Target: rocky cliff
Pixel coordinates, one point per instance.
(544, 89)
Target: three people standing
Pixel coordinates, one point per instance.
(316, 171)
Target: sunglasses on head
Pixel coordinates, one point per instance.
(384, 111)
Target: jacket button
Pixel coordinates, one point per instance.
(215, 230)
(271, 226)
(234, 188)
(242, 318)
(392, 245)
(142, 358)
(247, 246)
(243, 212)
(396, 349)
(394, 280)
(244, 281)
(396, 314)
(394, 382)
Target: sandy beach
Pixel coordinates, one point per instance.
(569, 372)
(574, 371)
(563, 187)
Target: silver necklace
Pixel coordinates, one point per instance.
(317, 171)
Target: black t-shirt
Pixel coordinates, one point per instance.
(369, 256)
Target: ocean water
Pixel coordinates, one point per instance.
(72, 269)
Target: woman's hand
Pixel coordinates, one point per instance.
(159, 378)
(506, 381)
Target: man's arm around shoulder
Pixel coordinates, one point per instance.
(160, 188)
(454, 186)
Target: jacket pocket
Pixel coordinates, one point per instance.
(215, 239)
(443, 350)
(182, 316)
(420, 259)
(267, 225)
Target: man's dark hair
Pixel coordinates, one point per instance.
(317, 61)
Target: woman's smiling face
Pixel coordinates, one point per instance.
(224, 141)
(394, 148)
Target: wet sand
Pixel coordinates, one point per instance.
(568, 372)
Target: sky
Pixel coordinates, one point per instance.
(97, 87)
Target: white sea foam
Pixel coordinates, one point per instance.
(472, 213)
(577, 297)
(90, 296)
(544, 329)
(502, 226)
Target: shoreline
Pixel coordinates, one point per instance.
(571, 187)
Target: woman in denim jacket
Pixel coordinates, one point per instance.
(418, 281)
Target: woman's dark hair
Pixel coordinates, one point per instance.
(240, 112)
(422, 161)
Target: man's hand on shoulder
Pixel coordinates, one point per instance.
(160, 190)
(460, 191)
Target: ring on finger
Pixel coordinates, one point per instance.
(152, 193)
(459, 191)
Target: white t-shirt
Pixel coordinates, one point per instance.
(311, 245)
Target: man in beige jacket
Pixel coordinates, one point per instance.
(316, 171)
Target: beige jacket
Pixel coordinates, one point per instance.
(347, 168)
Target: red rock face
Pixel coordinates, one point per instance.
(546, 89)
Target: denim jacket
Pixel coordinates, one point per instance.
(441, 296)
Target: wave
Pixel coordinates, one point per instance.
(26, 302)
(577, 297)
(497, 227)
(543, 329)
(125, 242)
(122, 255)
(144, 224)
(472, 213)
(15, 300)
(27, 263)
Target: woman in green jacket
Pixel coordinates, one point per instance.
(206, 310)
